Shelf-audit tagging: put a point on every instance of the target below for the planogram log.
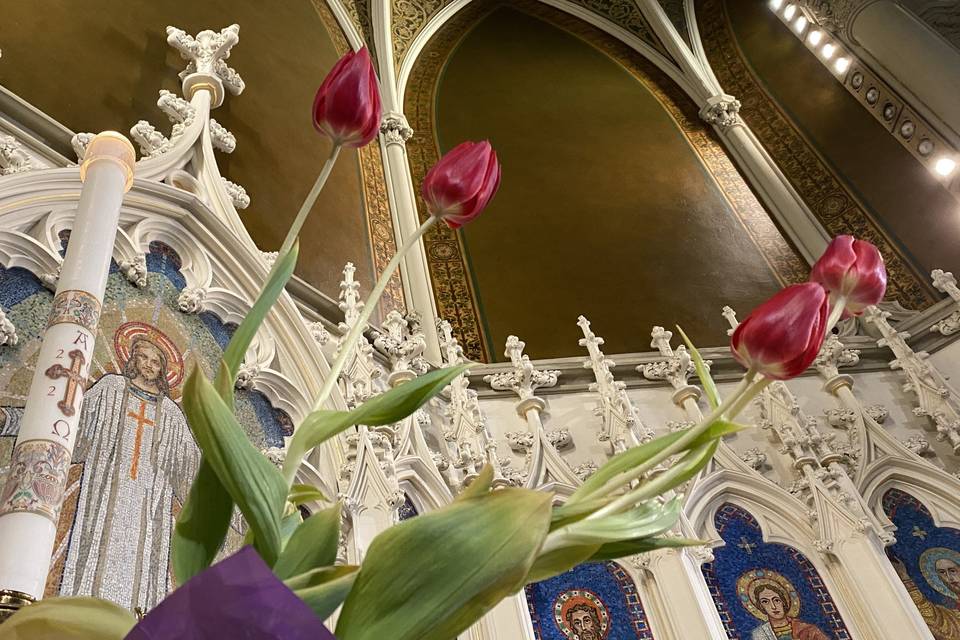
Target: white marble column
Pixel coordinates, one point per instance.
(33, 492)
(414, 270)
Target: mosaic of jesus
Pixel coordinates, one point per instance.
(772, 599)
(138, 457)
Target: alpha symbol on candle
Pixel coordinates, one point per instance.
(74, 378)
(57, 427)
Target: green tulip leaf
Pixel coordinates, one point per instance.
(323, 590)
(303, 493)
(475, 553)
(69, 619)
(635, 456)
(479, 486)
(312, 545)
(243, 336)
(252, 481)
(387, 408)
(646, 520)
(703, 372)
(201, 526)
(614, 550)
(558, 561)
(288, 524)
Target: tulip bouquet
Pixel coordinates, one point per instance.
(433, 576)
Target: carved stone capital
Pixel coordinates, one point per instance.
(135, 270)
(13, 159)
(722, 111)
(191, 300)
(395, 128)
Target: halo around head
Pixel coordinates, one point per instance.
(128, 332)
(747, 585)
(569, 599)
(928, 562)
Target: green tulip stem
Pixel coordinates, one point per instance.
(836, 312)
(309, 201)
(351, 341)
(617, 482)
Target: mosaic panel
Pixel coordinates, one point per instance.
(767, 591)
(408, 509)
(831, 202)
(134, 446)
(927, 559)
(594, 601)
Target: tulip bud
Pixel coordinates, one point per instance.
(462, 183)
(852, 271)
(347, 107)
(783, 336)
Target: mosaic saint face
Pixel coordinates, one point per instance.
(581, 615)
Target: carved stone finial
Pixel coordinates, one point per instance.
(755, 458)
(731, 317)
(206, 66)
(395, 128)
(524, 379)
(722, 111)
(834, 356)
(247, 375)
(13, 159)
(318, 332)
(79, 142)
(402, 343)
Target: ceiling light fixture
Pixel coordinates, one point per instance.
(842, 64)
(789, 11)
(815, 37)
(800, 24)
(776, 4)
(828, 50)
(945, 166)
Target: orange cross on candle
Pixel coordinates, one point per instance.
(141, 419)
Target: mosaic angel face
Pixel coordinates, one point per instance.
(581, 615)
(772, 603)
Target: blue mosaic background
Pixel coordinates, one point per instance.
(607, 580)
(915, 534)
(408, 509)
(26, 302)
(745, 550)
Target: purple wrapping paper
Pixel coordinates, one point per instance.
(237, 599)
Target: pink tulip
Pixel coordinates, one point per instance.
(782, 336)
(458, 187)
(347, 107)
(851, 270)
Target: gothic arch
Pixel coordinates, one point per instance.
(936, 489)
(453, 280)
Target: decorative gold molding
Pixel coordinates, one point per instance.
(408, 18)
(453, 290)
(826, 195)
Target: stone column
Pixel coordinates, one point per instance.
(414, 270)
(33, 492)
(684, 608)
(773, 188)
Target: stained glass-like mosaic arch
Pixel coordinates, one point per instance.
(767, 590)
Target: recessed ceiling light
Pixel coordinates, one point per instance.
(842, 64)
(815, 37)
(789, 11)
(945, 166)
(776, 4)
(828, 50)
(800, 24)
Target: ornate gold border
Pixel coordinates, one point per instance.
(826, 195)
(453, 290)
